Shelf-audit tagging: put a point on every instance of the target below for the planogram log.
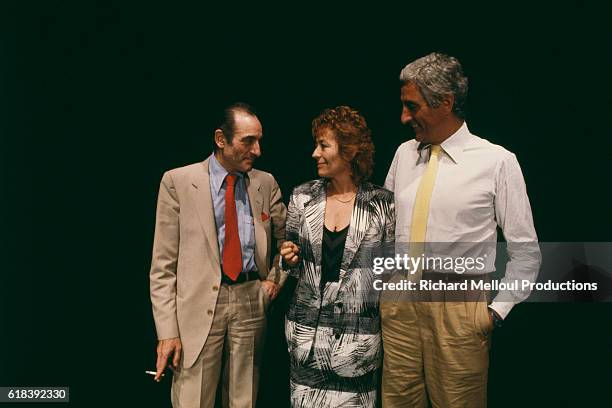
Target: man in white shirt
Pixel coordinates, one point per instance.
(452, 188)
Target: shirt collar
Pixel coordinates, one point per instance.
(218, 173)
(453, 146)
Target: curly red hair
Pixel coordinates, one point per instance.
(353, 136)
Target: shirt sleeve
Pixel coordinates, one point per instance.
(513, 215)
(390, 180)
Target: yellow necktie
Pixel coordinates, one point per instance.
(420, 213)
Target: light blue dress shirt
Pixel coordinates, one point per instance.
(246, 228)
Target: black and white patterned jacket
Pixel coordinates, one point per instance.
(341, 324)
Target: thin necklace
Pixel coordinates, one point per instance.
(347, 201)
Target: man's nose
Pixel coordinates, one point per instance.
(256, 149)
(406, 116)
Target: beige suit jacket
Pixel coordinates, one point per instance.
(186, 267)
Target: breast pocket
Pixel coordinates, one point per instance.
(267, 224)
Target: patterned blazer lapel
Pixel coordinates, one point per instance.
(360, 222)
(314, 213)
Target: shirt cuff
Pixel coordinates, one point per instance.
(502, 308)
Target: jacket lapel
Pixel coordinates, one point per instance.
(360, 222)
(314, 213)
(204, 206)
(261, 240)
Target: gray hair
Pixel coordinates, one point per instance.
(437, 75)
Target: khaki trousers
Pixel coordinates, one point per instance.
(235, 343)
(437, 351)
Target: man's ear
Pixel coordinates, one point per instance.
(447, 103)
(220, 139)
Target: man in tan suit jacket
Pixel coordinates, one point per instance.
(206, 317)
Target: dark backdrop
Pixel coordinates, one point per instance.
(99, 98)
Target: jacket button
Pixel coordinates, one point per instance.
(209, 312)
(337, 336)
(215, 288)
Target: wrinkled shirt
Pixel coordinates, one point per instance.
(478, 186)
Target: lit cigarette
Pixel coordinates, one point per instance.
(155, 372)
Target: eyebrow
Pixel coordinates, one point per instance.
(411, 104)
(250, 137)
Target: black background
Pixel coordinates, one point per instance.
(99, 98)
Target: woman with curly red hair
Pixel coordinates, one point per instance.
(333, 226)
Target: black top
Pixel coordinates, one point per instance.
(331, 254)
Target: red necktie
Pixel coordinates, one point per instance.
(232, 254)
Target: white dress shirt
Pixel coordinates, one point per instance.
(478, 186)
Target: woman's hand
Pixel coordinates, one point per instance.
(290, 253)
